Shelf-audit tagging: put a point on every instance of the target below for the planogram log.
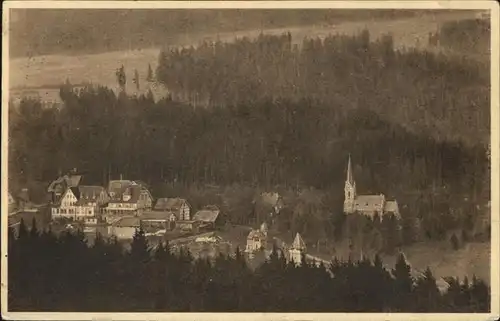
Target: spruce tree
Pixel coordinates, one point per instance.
(150, 76)
(403, 284)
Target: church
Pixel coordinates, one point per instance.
(368, 205)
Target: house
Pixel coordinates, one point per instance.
(80, 202)
(297, 249)
(153, 221)
(368, 205)
(58, 187)
(207, 216)
(180, 207)
(257, 239)
(124, 227)
(127, 198)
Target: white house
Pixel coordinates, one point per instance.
(80, 202)
(256, 241)
(127, 198)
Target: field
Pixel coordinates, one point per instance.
(44, 74)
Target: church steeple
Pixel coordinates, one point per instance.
(350, 178)
(349, 189)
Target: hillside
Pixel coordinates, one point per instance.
(431, 94)
(37, 32)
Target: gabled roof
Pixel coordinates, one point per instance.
(128, 221)
(65, 182)
(117, 187)
(370, 200)
(206, 215)
(256, 234)
(130, 195)
(155, 215)
(391, 206)
(169, 204)
(89, 194)
(298, 243)
(271, 198)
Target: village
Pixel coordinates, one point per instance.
(125, 206)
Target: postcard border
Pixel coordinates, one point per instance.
(495, 160)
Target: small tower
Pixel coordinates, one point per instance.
(297, 249)
(349, 189)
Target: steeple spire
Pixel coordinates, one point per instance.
(350, 178)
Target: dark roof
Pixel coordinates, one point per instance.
(131, 194)
(117, 187)
(206, 215)
(66, 181)
(89, 193)
(128, 221)
(169, 204)
(156, 215)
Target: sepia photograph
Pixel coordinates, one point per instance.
(274, 157)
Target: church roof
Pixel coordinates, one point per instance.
(370, 201)
(392, 207)
(298, 243)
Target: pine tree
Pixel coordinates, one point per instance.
(403, 284)
(427, 293)
(150, 76)
(139, 248)
(121, 77)
(136, 79)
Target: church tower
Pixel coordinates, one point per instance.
(297, 249)
(349, 190)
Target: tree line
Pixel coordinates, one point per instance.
(418, 89)
(66, 274)
(284, 145)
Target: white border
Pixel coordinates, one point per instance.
(495, 121)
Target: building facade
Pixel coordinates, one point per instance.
(127, 198)
(80, 203)
(180, 207)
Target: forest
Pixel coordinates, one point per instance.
(266, 145)
(471, 36)
(432, 94)
(106, 278)
(260, 115)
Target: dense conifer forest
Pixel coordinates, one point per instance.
(104, 277)
(442, 96)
